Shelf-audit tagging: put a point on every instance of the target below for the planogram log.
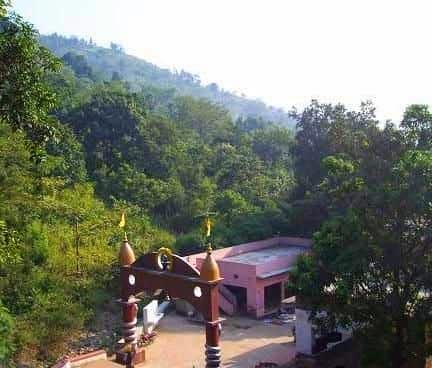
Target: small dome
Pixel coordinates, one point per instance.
(126, 254)
(210, 269)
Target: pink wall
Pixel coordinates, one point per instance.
(260, 285)
(243, 275)
(237, 274)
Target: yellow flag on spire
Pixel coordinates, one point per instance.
(208, 225)
(122, 222)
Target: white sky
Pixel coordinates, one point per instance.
(285, 52)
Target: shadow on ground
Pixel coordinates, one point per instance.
(270, 353)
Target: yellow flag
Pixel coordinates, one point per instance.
(208, 226)
(122, 222)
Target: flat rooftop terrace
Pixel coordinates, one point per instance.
(256, 253)
(264, 255)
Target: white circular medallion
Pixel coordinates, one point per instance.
(131, 280)
(197, 291)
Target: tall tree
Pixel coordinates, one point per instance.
(25, 98)
(323, 130)
(4, 4)
(79, 65)
(371, 263)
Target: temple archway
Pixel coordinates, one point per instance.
(171, 273)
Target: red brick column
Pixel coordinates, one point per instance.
(213, 351)
(130, 354)
(129, 321)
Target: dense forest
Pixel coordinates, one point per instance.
(114, 63)
(78, 150)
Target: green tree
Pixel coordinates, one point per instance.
(273, 145)
(79, 65)
(417, 125)
(4, 4)
(210, 121)
(323, 130)
(371, 263)
(108, 127)
(25, 98)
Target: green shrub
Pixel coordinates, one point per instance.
(188, 243)
(53, 320)
(7, 346)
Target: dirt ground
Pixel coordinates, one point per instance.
(244, 343)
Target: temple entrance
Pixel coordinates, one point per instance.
(165, 271)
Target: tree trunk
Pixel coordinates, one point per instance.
(398, 346)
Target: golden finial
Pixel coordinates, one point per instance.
(126, 254)
(210, 268)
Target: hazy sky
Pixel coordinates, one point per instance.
(285, 52)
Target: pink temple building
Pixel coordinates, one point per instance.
(255, 273)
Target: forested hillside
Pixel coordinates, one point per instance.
(115, 63)
(77, 151)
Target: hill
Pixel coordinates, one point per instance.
(78, 148)
(109, 62)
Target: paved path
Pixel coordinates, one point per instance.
(244, 343)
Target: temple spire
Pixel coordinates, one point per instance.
(126, 254)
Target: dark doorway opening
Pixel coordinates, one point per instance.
(272, 297)
(241, 296)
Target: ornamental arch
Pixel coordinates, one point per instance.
(171, 273)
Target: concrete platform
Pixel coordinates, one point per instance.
(244, 342)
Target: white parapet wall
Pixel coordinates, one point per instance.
(152, 314)
(304, 332)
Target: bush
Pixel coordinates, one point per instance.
(189, 243)
(6, 337)
(37, 240)
(51, 323)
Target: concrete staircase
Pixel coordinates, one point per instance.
(227, 300)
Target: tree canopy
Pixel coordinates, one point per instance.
(25, 99)
(371, 263)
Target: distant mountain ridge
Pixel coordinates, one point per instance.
(114, 62)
